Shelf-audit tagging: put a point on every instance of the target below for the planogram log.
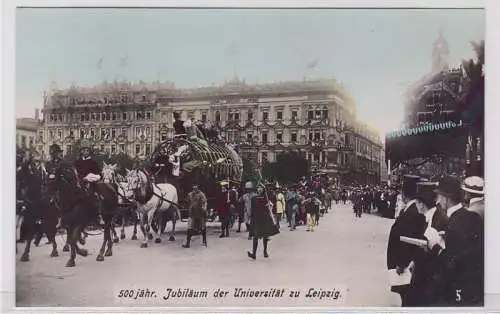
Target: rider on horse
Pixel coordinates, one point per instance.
(54, 168)
(88, 171)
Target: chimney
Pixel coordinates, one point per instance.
(37, 114)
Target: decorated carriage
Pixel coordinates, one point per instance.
(183, 161)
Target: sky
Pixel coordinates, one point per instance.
(375, 53)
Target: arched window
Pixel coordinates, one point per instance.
(217, 116)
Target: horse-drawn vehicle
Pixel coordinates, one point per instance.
(184, 161)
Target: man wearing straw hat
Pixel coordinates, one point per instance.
(459, 277)
(474, 194)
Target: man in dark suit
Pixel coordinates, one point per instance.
(179, 125)
(410, 224)
(459, 275)
(425, 260)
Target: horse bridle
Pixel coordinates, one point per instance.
(114, 181)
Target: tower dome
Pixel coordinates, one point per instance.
(440, 53)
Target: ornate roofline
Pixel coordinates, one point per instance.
(232, 87)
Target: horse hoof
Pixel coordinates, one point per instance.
(66, 248)
(54, 254)
(150, 236)
(82, 252)
(70, 263)
(108, 253)
(171, 238)
(143, 245)
(158, 240)
(134, 237)
(116, 240)
(100, 258)
(122, 236)
(25, 258)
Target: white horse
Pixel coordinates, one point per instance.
(126, 207)
(151, 198)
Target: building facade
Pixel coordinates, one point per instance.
(26, 132)
(432, 100)
(314, 118)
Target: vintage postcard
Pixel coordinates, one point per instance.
(236, 157)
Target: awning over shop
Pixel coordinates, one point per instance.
(445, 139)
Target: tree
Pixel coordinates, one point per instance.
(249, 170)
(123, 161)
(270, 171)
(288, 168)
(472, 103)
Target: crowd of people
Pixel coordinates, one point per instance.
(261, 208)
(438, 238)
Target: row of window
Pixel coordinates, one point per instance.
(234, 136)
(25, 141)
(104, 133)
(139, 149)
(236, 116)
(124, 98)
(318, 157)
(102, 116)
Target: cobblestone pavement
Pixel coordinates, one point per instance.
(344, 251)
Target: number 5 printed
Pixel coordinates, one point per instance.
(458, 294)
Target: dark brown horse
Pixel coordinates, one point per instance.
(39, 216)
(80, 208)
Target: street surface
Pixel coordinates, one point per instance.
(343, 250)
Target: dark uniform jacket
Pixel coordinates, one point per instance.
(197, 204)
(222, 206)
(179, 127)
(459, 274)
(86, 166)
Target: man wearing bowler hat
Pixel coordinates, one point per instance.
(459, 276)
(411, 224)
(474, 194)
(425, 260)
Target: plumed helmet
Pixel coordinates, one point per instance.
(177, 115)
(85, 144)
(249, 185)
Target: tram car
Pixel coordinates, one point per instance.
(183, 161)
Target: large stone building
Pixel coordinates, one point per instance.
(316, 118)
(26, 132)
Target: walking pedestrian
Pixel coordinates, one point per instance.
(247, 207)
(197, 215)
(280, 206)
(262, 223)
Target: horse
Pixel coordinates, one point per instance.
(127, 208)
(80, 209)
(151, 198)
(38, 215)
